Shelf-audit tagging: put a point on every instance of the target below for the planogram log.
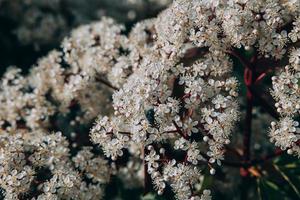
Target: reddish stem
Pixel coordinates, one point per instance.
(248, 78)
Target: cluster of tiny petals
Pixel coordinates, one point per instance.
(206, 106)
(24, 154)
(91, 165)
(62, 77)
(53, 85)
(181, 177)
(294, 35)
(153, 163)
(149, 107)
(285, 133)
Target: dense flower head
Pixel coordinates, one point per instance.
(167, 100)
(28, 157)
(167, 94)
(28, 104)
(285, 133)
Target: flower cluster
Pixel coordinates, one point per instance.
(28, 103)
(36, 159)
(167, 100)
(286, 132)
(180, 87)
(61, 78)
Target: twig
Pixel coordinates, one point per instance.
(248, 123)
(264, 103)
(106, 83)
(278, 152)
(249, 75)
(146, 176)
(179, 130)
(242, 60)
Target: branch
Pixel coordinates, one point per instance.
(106, 83)
(179, 130)
(249, 74)
(264, 103)
(242, 60)
(278, 152)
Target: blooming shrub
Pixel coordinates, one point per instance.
(158, 107)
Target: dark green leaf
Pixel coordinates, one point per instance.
(288, 180)
(268, 190)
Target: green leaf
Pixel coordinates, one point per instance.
(207, 181)
(268, 190)
(151, 196)
(248, 53)
(291, 166)
(287, 179)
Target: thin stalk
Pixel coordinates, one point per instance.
(108, 84)
(247, 133)
(249, 75)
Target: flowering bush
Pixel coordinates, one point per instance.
(180, 106)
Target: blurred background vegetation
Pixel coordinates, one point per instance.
(30, 28)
